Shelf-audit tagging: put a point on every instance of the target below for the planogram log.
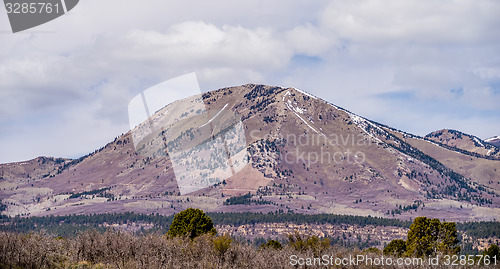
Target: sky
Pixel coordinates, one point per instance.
(415, 65)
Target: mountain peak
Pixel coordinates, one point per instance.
(495, 141)
(461, 141)
(302, 153)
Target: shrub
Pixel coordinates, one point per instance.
(373, 250)
(271, 244)
(493, 251)
(119, 250)
(222, 244)
(396, 247)
(192, 223)
(302, 243)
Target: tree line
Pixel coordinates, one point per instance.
(192, 242)
(70, 224)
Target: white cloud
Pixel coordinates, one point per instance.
(414, 21)
(201, 44)
(85, 66)
(309, 40)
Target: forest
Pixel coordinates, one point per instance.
(191, 241)
(71, 224)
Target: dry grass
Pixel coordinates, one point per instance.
(114, 249)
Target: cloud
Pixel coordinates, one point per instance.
(309, 40)
(42, 89)
(414, 21)
(426, 47)
(71, 79)
(201, 44)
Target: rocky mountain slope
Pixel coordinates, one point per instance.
(495, 141)
(260, 148)
(467, 144)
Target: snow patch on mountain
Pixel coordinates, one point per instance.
(285, 95)
(494, 141)
(478, 141)
(216, 115)
(365, 125)
(302, 119)
(308, 94)
(296, 110)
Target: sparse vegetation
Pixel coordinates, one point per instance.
(302, 243)
(98, 193)
(2, 207)
(244, 200)
(403, 208)
(115, 249)
(459, 188)
(192, 243)
(434, 137)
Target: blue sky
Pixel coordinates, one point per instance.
(418, 66)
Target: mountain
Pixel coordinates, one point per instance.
(495, 141)
(466, 143)
(257, 148)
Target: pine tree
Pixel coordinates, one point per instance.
(191, 222)
(430, 236)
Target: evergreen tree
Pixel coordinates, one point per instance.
(396, 247)
(492, 251)
(429, 236)
(271, 244)
(191, 222)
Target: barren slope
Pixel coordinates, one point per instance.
(304, 155)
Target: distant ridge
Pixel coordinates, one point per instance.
(305, 155)
(465, 143)
(495, 141)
